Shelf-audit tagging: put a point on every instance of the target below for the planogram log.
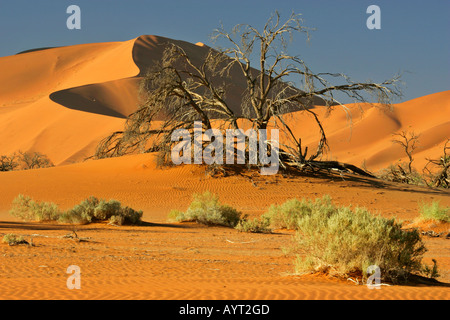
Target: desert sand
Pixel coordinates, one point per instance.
(62, 101)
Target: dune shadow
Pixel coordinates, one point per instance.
(42, 226)
(419, 281)
(32, 226)
(72, 99)
(356, 180)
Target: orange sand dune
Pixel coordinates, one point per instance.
(49, 97)
(186, 261)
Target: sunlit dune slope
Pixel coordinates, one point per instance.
(362, 134)
(62, 101)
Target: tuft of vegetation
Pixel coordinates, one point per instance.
(255, 225)
(431, 272)
(88, 211)
(206, 209)
(286, 215)
(343, 241)
(434, 212)
(25, 208)
(13, 239)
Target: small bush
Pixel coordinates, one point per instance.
(177, 215)
(206, 209)
(89, 210)
(95, 210)
(434, 212)
(286, 215)
(344, 241)
(256, 225)
(25, 208)
(13, 239)
(128, 216)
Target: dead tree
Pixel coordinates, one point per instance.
(184, 92)
(409, 141)
(440, 177)
(8, 163)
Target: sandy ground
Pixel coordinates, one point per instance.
(162, 260)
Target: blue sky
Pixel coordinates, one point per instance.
(414, 36)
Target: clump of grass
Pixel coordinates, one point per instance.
(286, 215)
(206, 209)
(345, 241)
(90, 210)
(13, 239)
(431, 272)
(255, 225)
(434, 212)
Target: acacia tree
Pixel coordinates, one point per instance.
(184, 92)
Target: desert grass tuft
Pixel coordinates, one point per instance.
(255, 225)
(13, 239)
(434, 212)
(89, 210)
(206, 209)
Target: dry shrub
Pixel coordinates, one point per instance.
(206, 209)
(343, 241)
(88, 211)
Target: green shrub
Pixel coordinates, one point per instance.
(206, 209)
(13, 239)
(287, 214)
(25, 208)
(344, 241)
(434, 212)
(89, 210)
(128, 216)
(177, 215)
(104, 210)
(256, 225)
